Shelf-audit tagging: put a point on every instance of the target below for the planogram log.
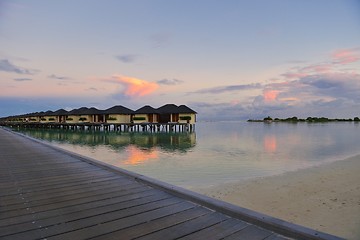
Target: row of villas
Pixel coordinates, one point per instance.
(169, 113)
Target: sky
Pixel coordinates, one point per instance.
(225, 59)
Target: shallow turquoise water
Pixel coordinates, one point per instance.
(217, 152)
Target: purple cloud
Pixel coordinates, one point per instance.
(230, 88)
(22, 79)
(126, 58)
(53, 76)
(7, 66)
(170, 81)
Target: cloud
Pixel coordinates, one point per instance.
(345, 56)
(20, 105)
(126, 58)
(230, 88)
(316, 89)
(218, 111)
(309, 70)
(334, 85)
(317, 68)
(338, 58)
(53, 76)
(22, 79)
(160, 39)
(7, 66)
(92, 89)
(293, 75)
(170, 82)
(321, 87)
(270, 95)
(135, 87)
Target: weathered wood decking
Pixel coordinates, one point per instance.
(47, 193)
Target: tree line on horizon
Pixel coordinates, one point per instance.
(309, 119)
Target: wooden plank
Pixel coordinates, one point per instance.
(93, 196)
(54, 180)
(33, 198)
(44, 199)
(42, 166)
(99, 225)
(80, 214)
(156, 225)
(34, 190)
(57, 172)
(187, 227)
(251, 232)
(116, 197)
(70, 182)
(46, 176)
(218, 231)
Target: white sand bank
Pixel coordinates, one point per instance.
(326, 197)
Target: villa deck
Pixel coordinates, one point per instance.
(48, 193)
(119, 127)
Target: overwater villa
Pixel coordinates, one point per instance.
(146, 114)
(117, 116)
(169, 113)
(85, 115)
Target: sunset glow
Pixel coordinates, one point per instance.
(137, 156)
(270, 143)
(135, 86)
(345, 56)
(270, 95)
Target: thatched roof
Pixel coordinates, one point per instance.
(172, 108)
(93, 111)
(85, 111)
(118, 109)
(185, 109)
(168, 109)
(146, 110)
(47, 113)
(60, 112)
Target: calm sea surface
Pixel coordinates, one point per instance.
(217, 152)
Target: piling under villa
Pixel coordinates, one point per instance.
(169, 117)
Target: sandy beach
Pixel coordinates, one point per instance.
(325, 197)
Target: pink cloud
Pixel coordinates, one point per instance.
(318, 68)
(344, 56)
(234, 102)
(135, 86)
(270, 95)
(292, 75)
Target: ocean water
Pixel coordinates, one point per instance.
(217, 152)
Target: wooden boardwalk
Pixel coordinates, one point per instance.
(47, 193)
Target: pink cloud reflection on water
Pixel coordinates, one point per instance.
(270, 143)
(137, 156)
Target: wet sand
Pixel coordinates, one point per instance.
(325, 197)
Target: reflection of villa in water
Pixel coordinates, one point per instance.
(168, 117)
(171, 142)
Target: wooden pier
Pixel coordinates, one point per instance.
(49, 193)
(118, 127)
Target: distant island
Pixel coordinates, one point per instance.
(309, 119)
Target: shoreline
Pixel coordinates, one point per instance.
(324, 197)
